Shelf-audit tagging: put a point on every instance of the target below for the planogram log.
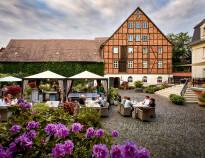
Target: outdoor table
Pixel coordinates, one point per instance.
(91, 103)
(78, 95)
(53, 103)
(139, 104)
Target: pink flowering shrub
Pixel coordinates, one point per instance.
(55, 133)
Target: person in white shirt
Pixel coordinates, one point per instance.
(100, 100)
(2, 101)
(124, 100)
(146, 101)
(128, 103)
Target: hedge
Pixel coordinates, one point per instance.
(67, 69)
(177, 99)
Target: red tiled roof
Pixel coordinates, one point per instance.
(183, 74)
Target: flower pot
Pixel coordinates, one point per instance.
(201, 103)
(115, 102)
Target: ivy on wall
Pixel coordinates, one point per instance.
(67, 69)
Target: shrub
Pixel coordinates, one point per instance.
(13, 90)
(32, 84)
(202, 97)
(176, 99)
(40, 107)
(28, 90)
(138, 84)
(131, 87)
(150, 90)
(124, 84)
(69, 107)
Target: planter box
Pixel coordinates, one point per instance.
(5, 114)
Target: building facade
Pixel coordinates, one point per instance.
(138, 50)
(198, 50)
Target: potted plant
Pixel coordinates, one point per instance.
(201, 100)
(139, 86)
(69, 107)
(32, 84)
(111, 95)
(125, 85)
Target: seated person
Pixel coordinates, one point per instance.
(128, 103)
(146, 101)
(100, 100)
(8, 99)
(2, 101)
(152, 103)
(82, 100)
(124, 100)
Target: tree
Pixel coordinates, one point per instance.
(181, 53)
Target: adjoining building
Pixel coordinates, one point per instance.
(198, 50)
(137, 50)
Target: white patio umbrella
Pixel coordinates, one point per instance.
(10, 79)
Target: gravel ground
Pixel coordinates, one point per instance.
(176, 132)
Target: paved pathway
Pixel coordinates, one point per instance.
(177, 132)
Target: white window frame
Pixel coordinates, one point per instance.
(144, 79)
(130, 38)
(138, 25)
(130, 64)
(159, 79)
(160, 64)
(115, 50)
(145, 39)
(145, 50)
(130, 50)
(115, 64)
(145, 64)
(137, 14)
(138, 39)
(145, 25)
(130, 24)
(160, 50)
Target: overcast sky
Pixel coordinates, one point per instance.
(91, 18)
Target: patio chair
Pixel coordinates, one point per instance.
(104, 110)
(134, 113)
(119, 107)
(125, 111)
(144, 114)
(5, 114)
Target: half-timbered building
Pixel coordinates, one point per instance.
(138, 50)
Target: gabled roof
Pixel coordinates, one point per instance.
(45, 75)
(138, 8)
(87, 75)
(10, 79)
(52, 50)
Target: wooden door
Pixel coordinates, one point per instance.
(123, 59)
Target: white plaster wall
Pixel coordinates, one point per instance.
(197, 57)
(151, 78)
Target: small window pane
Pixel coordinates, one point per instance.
(137, 25)
(145, 50)
(130, 64)
(137, 38)
(145, 38)
(138, 14)
(130, 50)
(145, 25)
(144, 64)
(130, 25)
(160, 50)
(130, 37)
(115, 64)
(160, 64)
(115, 50)
(144, 79)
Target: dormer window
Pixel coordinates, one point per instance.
(202, 31)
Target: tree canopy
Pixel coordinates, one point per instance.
(181, 53)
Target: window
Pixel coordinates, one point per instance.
(160, 50)
(144, 64)
(138, 25)
(159, 79)
(130, 25)
(115, 50)
(144, 79)
(130, 64)
(204, 51)
(203, 73)
(130, 49)
(115, 64)
(160, 65)
(130, 37)
(145, 50)
(130, 79)
(145, 38)
(137, 38)
(137, 14)
(145, 25)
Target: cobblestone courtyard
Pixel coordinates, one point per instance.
(176, 132)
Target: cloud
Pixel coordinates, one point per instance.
(90, 18)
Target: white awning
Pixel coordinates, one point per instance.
(45, 75)
(10, 79)
(87, 75)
